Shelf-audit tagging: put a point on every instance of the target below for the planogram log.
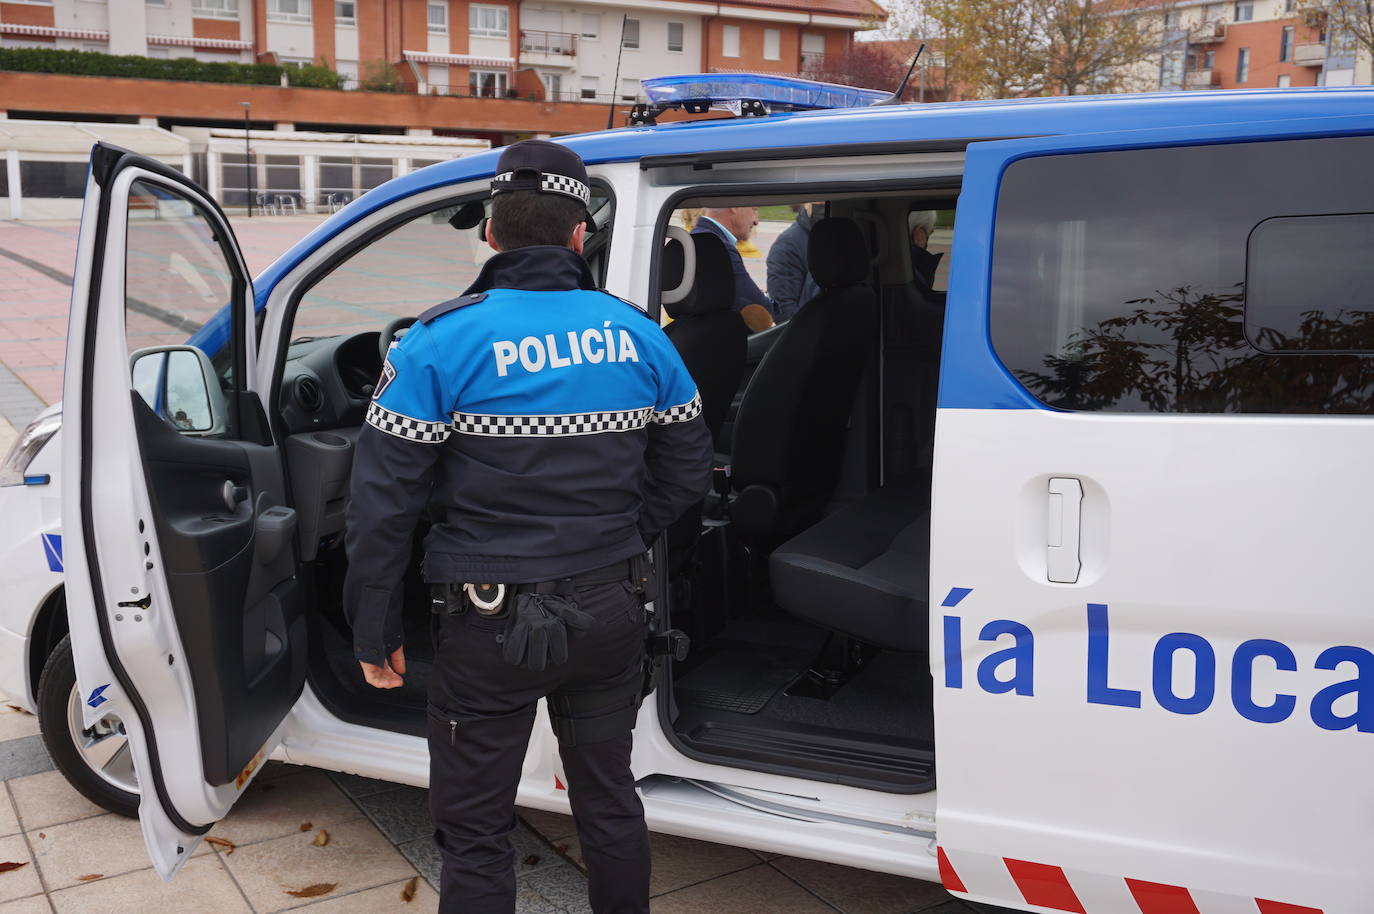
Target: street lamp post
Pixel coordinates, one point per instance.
(247, 159)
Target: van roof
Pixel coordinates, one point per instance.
(931, 122)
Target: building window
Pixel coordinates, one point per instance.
(591, 25)
(1171, 19)
(288, 10)
(1243, 65)
(1285, 81)
(488, 83)
(1286, 44)
(675, 31)
(812, 49)
(155, 2)
(553, 86)
(630, 36)
(729, 41)
(215, 9)
(488, 22)
(590, 85)
(629, 90)
(772, 44)
(346, 12)
(1245, 10)
(438, 17)
(1209, 60)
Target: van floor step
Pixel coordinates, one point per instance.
(905, 766)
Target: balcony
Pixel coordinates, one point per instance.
(1209, 32)
(1202, 79)
(1309, 55)
(549, 49)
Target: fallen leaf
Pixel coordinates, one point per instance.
(306, 826)
(90, 877)
(408, 890)
(222, 842)
(42, 835)
(561, 848)
(321, 839)
(531, 860)
(11, 865)
(17, 708)
(313, 891)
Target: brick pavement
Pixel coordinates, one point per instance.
(80, 859)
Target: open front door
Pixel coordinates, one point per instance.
(1151, 594)
(182, 586)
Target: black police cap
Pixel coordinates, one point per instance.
(543, 167)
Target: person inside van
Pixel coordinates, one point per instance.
(924, 263)
(731, 225)
(789, 278)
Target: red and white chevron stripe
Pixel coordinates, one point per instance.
(1082, 892)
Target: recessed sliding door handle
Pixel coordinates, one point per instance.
(1063, 529)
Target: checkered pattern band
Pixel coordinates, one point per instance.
(383, 419)
(549, 184)
(551, 426)
(684, 413)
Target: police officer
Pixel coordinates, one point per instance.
(554, 432)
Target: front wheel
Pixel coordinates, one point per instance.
(96, 761)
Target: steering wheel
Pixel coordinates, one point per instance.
(394, 330)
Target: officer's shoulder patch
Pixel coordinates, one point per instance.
(626, 301)
(452, 304)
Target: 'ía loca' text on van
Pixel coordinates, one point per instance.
(592, 346)
(1012, 669)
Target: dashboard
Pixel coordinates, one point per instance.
(328, 381)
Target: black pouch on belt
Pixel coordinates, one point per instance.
(537, 634)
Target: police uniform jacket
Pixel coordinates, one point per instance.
(551, 427)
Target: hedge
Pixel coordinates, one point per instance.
(181, 69)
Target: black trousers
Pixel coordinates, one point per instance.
(481, 711)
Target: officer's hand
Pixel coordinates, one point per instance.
(388, 675)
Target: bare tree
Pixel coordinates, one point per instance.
(1350, 23)
(992, 48)
(1098, 45)
(1011, 48)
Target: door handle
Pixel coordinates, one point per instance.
(1063, 530)
(233, 495)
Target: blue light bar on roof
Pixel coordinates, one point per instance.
(777, 92)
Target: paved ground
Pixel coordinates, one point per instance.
(77, 858)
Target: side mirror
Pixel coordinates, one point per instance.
(180, 385)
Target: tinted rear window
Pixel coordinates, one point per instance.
(1119, 277)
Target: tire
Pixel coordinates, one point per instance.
(94, 761)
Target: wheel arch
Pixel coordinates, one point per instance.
(49, 627)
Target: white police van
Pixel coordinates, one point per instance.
(1074, 520)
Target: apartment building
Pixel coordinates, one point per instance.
(558, 51)
(1241, 44)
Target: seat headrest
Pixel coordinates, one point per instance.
(713, 287)
(836, 253)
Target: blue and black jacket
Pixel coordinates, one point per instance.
(550, 427)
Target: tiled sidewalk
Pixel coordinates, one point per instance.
(79, 859)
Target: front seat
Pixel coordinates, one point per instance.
(789, 434)
(706, 331)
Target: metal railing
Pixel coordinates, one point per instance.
(538, 41)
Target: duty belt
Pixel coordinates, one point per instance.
(490, 599)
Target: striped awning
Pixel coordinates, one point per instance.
(459, 60)
(190, 41)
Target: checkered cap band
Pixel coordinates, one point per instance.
(684, 413)
(628, 420)
(550, 184)
(383, 419)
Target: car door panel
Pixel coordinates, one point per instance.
(184, 600)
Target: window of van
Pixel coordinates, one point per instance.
(1119, 278)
